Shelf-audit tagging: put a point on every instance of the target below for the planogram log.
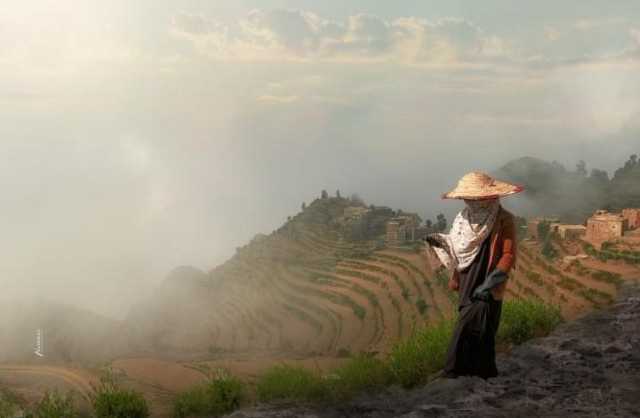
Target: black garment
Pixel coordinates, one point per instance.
(472, 348)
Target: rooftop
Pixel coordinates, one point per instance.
(603, 215)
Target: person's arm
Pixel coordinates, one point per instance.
(508, 258)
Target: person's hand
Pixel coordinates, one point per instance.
(454, 285)
(432, 240)
(483, 295)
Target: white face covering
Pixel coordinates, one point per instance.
(469, 230)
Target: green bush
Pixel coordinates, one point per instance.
(8, 404)
(214, 398)
(290, 383)
(607, 277)
(110, 400)
(361, 373)
(422, 306)
(54, 405)
(414, 359)
(524, 319)
(548, 250)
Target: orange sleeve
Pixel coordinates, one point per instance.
(508, 258)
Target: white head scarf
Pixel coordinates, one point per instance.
(470, 228)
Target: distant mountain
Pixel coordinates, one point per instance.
(551, 189)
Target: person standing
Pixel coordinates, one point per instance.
(479, 252)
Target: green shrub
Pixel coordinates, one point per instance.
(360, 374)
(414, 359)
(110, 400)
(422, 306)
(54, 405)
(290, 383)
(607, 277)
(523, 319)
(218, 396)
(7, 409)
(548, 250)
(595, 296)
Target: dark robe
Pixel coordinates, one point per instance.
(472, 347)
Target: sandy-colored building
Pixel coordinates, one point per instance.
(632, 216)
(402, 228)
(354, 212)
(571, 231)
(603, 226)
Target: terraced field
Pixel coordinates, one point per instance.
(307, 291)
(302, 290)
(306, 294)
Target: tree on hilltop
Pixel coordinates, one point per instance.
(304, 206)
(581, 168)
(441, 223)
(324, 195)
(338, 194)
(357, 200)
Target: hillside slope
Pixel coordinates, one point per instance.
(313, 287)
(586, 368)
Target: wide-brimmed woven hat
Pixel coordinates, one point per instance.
(477, 186)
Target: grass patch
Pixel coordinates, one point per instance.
(360, 374)
(524, 319)
(290, 383)
(217, 396)
(54, 405)
(110, 400)
(9, 403)
(413, 360)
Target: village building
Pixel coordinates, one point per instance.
(352, 213)
(604, 226)
(632, 216)
(571, 232)
(402, 228)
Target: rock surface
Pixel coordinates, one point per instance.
(586, 368)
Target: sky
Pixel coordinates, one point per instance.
(140, 136)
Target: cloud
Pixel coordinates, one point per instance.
(276, 99)
(635, 35)
(591, 24)
(551, 34)
(296, 35)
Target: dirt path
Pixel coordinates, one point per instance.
(74, 379)
(587, 368)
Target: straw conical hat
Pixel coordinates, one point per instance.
(477, 185)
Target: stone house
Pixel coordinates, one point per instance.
(403, 228)
(632, 216)
(571, 231)
(603, 226)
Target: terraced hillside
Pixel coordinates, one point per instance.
(308, 288)
(305, 288)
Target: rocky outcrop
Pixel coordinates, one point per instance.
(587, 368)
